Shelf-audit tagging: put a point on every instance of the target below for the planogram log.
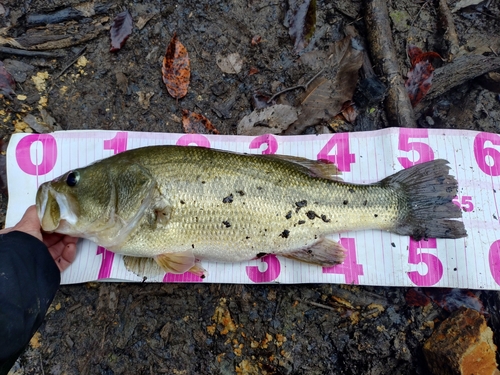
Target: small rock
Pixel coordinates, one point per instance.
(462, 344)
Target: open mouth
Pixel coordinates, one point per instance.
(54, 210)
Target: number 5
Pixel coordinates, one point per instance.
(434, 265)
(424, 151)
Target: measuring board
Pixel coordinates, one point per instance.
(373, 258)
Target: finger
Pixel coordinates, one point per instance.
(63, 255)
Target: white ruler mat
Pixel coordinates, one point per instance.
(374, 257)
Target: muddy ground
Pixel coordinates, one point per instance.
(112, 328)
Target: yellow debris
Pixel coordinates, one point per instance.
(22, 97)
(35, 340)
(40, 80)
(82, 61)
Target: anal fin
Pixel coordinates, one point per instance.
(142, 266)
(325, 253)
(176, 263)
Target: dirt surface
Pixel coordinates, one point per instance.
(107, 328)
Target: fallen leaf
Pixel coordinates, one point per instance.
(35, 341)
(256, 40)
(121, 28)
(196, 123)
(464, 4)
(253, 70)
(261, 100)
(7, 83)
(419, 78)
(349, 111)
(145, 98)
(325, 96)
(270, 120)
(175, 70)
(301, 23)
(230, 64)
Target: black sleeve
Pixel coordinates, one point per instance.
(29, 279)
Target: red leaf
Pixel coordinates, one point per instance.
(253, 70)
(349, 111)
(120, 30)
(195, 123)
(175, 70)
(7, 83)
(416, 55)
(256, 40)
(419, 81)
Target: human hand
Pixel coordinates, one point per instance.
(62, 248)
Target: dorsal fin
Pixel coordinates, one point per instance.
(317, 168)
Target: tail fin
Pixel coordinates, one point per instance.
(428, 189)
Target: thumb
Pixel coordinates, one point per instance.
(30, 223)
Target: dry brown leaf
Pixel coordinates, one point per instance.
(326, 95)
(269, 120)
(230, 64)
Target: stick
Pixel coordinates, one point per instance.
(398, 107)
(71, 63)
(450, 33)
(21, 52)
(295, 87)
(461, 70)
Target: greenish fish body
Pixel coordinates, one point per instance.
(178, 205)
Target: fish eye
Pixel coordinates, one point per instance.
(73, 178)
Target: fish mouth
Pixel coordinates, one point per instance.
(56, 212)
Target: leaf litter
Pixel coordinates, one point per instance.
(419, 80)
(7, 83)
(269, 120)
(176, 69)
(230, 64)
(327, 94)
(120, 30)
(196, 123)
(301, 22)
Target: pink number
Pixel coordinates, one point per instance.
(342, 158)
(106, 263)
(487, 158)
(434, 265)
(494, 260)
(49, 154)
(465, 203)
(186, 277)
(350, 269)
(423, 150)
(267, 139)
(271, 273)
(197, 139)
(117, 144)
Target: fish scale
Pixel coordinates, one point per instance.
(175, 203)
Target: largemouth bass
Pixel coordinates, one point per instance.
(179, 205)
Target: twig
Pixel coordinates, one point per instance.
(295, 87)
(78, 54)
(22, 52)
(320, 305)
(399, 110)
(459, 71)
(450, 33)
(41, 363)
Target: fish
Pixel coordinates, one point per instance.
(171, 207)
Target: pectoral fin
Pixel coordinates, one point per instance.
(325, 253)
(176, 263)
